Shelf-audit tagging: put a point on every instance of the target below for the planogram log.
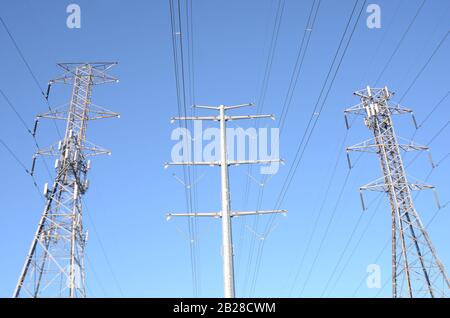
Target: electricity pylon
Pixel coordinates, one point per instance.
(226, 214)
(54, 266)
(416, 268)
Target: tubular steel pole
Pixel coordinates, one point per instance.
(227, 244)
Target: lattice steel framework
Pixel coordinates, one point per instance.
(416, 268)
(54, 266)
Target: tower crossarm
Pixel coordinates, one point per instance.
(226, 214)
(54, 265)
(219, 214)
(416, 268)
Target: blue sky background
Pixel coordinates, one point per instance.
(132, 250)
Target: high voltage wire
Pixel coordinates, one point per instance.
(287, 101)
(260, 104)
(354, 229)
(318, 215)
(13, 108)
(32, 74)
(27, 65)
(264, 85)
(355, 247)
(32, 133)
(186, 95)
(37, 187)
(400, 42)
(260, 93)
(30, 71)
(333, 174)
(436, 135)
(318, 110)
(15, 157)
(322, 241)
(341, 255)
(102, 248)
(290, 91)
(20, 163)
(269, 62)
(191, 72)
(385, 246)
(422, 69)
(342, 144)
(345, 32)
(435, 107)
(405, 95)
(385, 34)
(40, 193)
(182, 109)
(96, 277)
(299, 61)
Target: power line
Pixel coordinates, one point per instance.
(433, 109)
(192, 99)
(333, 176)
(316, 112)
(318, 215)
(27, 65)
(299, 61)
(400, 42)
(225, 214)
(102, 248)
(15, 157)
(407, 228)
(269, 62)
(32, 133)
(96, 277)
(13, 108)
(30, 71)
(260, 104)
(287, 102)
(322, 241)
(350, 257)
(48, 260)
(20, 163)
(427, 117)
(365, 230)
(182, 109)
(424, 66)
(341, 255)
(348, 242)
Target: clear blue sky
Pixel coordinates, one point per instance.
(131, 192)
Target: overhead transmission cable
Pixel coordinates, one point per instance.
(318, 108)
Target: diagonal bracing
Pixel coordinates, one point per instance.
(54, 266)
(416, 268)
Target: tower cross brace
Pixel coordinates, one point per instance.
(54, 265)
(416, 268)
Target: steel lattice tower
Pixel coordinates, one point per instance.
(54, 266)
(416, 268)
